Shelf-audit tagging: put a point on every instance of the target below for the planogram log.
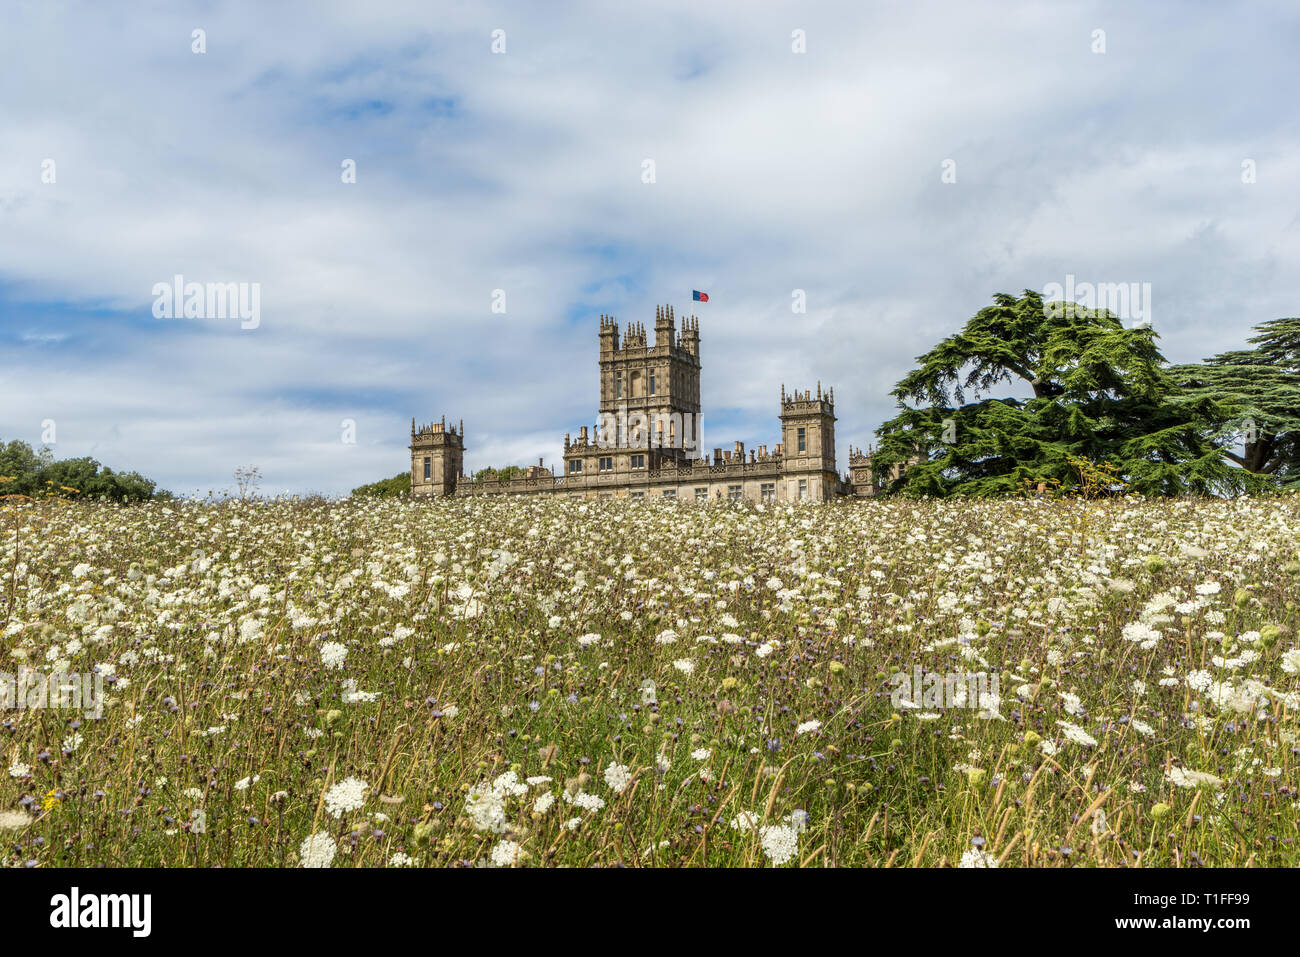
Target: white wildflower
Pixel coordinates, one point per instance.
(318, 850)
(333, 654)
(617, 776)
(780, 843)
(348, 795)
(505, 853)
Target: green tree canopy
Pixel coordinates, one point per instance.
(499, 475)
(20, 465)
(92, 480)
(1099, 393)
(401, 484)
(398, 485)
(27, 472)
(1263, 385)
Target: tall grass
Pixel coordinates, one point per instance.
(734, 671)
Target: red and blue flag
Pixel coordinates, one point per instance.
(698, 296)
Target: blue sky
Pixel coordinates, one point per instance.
(775, 171)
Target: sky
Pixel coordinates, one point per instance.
(892, 164)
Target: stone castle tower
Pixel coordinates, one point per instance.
(808, 445)
(437, 458)
(660, 382)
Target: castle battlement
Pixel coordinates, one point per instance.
(636, 344)
(796, 402)
(437, 431)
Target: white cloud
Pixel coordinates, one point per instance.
(775, 171)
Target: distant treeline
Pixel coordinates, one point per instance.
(401, 484)
(24, 471)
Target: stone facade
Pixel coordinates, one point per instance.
(646, 443)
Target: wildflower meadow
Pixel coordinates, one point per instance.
(506, 682)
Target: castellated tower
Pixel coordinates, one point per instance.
(437, 458)
(808, 446)
(660, 382)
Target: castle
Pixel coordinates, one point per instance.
(647, 442)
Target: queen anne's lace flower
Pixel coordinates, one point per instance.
(780, 843)
(1183, 778)
(1076, 734)
(318, 850)
(617, 776)
(505, 853)
(333, 654)
(348, 795)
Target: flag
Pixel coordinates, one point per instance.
(697, 296)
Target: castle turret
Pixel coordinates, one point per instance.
(808, 445)
(861, 473)
(608, 337)
(437, 458)
(689, 340)
(664, 326)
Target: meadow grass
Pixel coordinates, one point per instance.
(531, 682)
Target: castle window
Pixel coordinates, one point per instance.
(803, 488)
(670, 493)
(638, 495)
(575, 465)
(767, 492)
(701, 495)
(638, 461)
(735, 492)
(428, 468)
(607, 464)
(652, 383)
(618, 385)
(803, 444)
